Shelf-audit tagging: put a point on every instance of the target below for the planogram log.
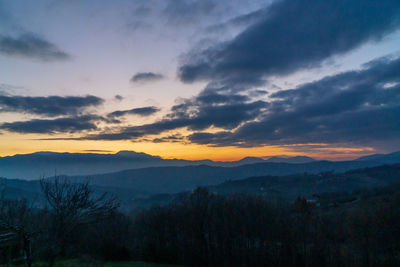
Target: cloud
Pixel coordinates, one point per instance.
(205, 111)
(177, 15)
(143, 77)
(355, 107)
(118, 97)
(292, 35)
(31, 46)
(144, 111)
(175, 138)
(184, 11)
(52, 126)
(351, 109)
(49, 106)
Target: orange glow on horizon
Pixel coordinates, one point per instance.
(19, 144)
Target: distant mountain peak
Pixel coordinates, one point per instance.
(390, 158)
(130, 153)
(288, 159)
(251, 159)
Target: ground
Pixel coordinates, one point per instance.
(78, 263)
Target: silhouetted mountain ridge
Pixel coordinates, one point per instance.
(39, 164)
(391, 158)
(296, 159)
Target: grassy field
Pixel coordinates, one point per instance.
(137, 264)
(79, 263)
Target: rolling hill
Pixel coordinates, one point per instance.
(176, 179)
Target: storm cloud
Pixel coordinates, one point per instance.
(31, 46)
(49, 105)
(292, 35)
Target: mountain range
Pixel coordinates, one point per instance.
(278, 176)
(43, 164)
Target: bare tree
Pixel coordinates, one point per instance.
(73, 205)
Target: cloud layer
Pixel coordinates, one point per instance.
(200, 113)
(52, 126)
(144, 111)
(355, 107)
(48, 106)
(352, 108)
(31, 46)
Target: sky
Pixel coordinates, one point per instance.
(201, 79)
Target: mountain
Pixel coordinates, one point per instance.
(308, 185)
(42, 164)
(36, 165)
(296, 159)
(391, 158)
(175, 179)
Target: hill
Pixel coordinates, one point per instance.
(322, 187)
(176, 179)
(308, 185)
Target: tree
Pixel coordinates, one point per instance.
(72, 206)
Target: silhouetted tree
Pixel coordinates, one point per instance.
(72, 205)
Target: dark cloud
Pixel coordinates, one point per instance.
(51, 126)
(143, 77)
(212, 139)
(292, 35)
(49, 105)
(206, 110)
(239, 22)
(118, 97)
(175, 138)
(31, 46)
(356, 107)
(144, 111)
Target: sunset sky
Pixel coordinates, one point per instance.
(197, 79)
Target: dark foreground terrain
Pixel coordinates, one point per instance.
(326, 219)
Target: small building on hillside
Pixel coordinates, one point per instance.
(14, 246)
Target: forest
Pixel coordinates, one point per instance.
(204, 228)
